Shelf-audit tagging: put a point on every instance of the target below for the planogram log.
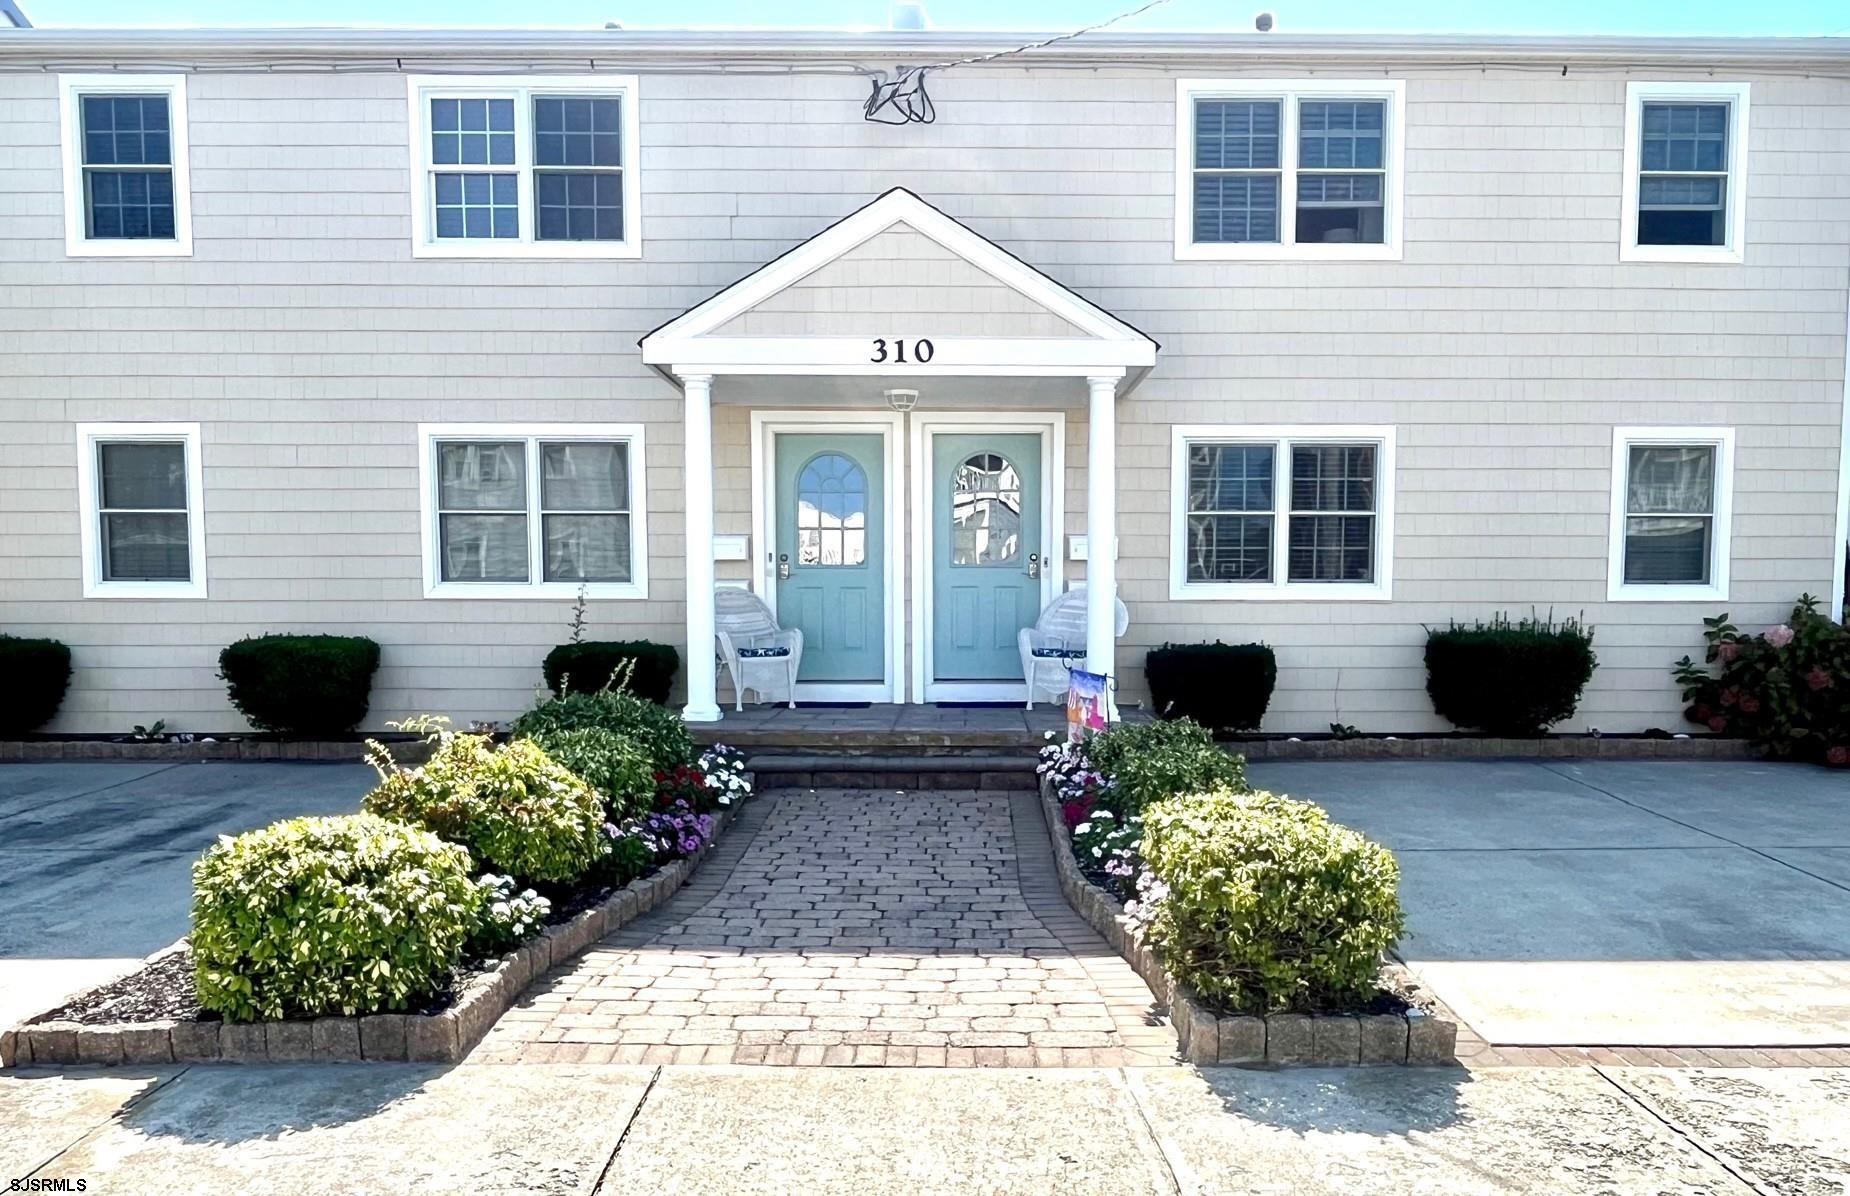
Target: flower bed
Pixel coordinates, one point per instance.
(1281, 916)
(92, 1028)
(403, 932)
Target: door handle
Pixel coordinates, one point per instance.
(1034, 564)
(783, 566)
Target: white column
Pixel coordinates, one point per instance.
(697, 480)
(1102, 527)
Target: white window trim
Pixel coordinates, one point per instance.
(1720, 543)
(1381, 589)
(1636, 96)
(1289, 92)
(89, 504)
(435, 587)
(70, 133)
(521, 89)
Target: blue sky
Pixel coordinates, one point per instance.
(1473, 16)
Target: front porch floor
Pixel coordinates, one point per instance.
(889, 726)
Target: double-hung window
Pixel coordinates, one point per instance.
(140, 499)
(1282, 512)
(534, 167)
(1289, 168)
(1685, 172)
(125, 165)
(1672, 504)
(513, 511)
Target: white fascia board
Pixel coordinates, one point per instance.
(897, 206)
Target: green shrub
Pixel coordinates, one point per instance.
(514, 807)
(658, 730)
(328, 915)
(591, 665)
(1150, 761)
(1221, 686)
(1787, 689)
(1262, 904)
(303, 685)
(37, 673)
(618, 771)
(1512, 679)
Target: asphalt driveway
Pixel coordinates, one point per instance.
(95, 859)
(1639, 903)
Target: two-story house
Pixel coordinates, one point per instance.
(1314, 340)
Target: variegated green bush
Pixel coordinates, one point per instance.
(515, 808)
(615, 767)
(312, 916)
(1261, 904)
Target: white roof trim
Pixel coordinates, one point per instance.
(689, 336)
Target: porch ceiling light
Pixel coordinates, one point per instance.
(902, 401)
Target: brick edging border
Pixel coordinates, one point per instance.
(1463, 747)
(444, 1037)
(1276, 1039)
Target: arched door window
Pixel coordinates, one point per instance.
(985, 511)
(831, 512)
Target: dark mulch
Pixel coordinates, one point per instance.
(163, 991)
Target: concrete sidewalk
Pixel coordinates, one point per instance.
(739, 1130)
(1614, 903)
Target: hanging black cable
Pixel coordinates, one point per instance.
(903, 100)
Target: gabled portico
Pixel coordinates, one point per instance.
(946, 520)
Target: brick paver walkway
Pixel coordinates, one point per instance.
(837, 927)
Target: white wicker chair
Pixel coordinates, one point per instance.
(1057, 643)
(758, 653)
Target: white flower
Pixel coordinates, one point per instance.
(1084, 828)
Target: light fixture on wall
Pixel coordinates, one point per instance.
(902, 401)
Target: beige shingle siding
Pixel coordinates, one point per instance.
(1503, 348)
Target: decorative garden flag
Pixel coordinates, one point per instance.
(1085, 703)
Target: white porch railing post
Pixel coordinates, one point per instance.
(1102, 528)
(697, 479)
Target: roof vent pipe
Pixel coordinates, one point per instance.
(907, 16)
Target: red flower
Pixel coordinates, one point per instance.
(1728, 696)
(1702, 713)
(1075, 811)
(1817, 678)
(1749, 704)
(1718, 724)
(1837, 756)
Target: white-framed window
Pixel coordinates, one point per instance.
(126, 190)
(522, 510)
(1685, 191)
(1281, 513)
(140, 495)
(1672, 506)
(1290, 168)
(536, 166)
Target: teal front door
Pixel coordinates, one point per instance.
(986, 552)
(830, 556)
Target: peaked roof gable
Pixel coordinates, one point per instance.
(897, 207)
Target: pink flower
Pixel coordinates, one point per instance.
(1726, 652)
(1779, 635)
(1749, 704)
(1718, 724)
(1817, 678)
(1728, 696)
(1838, 756)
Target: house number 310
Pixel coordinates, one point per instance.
(895, 351)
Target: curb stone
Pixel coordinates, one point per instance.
(445, 1037)
(1277, 1039)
